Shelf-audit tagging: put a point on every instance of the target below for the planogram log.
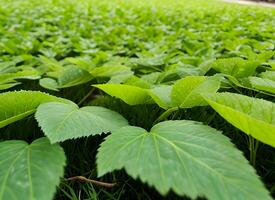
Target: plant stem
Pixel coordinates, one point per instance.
(253, 147)
(85, 97)
(165, 114)
(84, 179)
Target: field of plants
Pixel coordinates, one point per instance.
(129, 99)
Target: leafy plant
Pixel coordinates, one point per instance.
(139, 92)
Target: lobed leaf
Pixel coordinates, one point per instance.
(30, 171)
(184, 156)
(60, 121)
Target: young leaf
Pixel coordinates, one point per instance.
(30, 171)
(60, 121)
(251, 115)
(18, 105)
(184, 156)
(186, 93)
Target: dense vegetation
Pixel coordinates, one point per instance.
(164, 99)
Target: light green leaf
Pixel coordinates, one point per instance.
(268, 75)
(30, 172)
(81, 63)
(134, 95)
(110, 71)
(69, 77)
(60, 121)
(263, 84)
(49, 83)
(161, 95)
(28, 74)
(236, 66)
(18, 105)
(131, 95)
(184, 156)
(186, 93)
(255, 117)
(8, 85)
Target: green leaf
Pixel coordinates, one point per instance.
(134, 95)
(131, 95)
(71, 76)
(60, 121)
(268, 75)
(186, 93)
(18, 105)
(8, 85)
(29, 172)
(110, 71)
(184, 156)
(161, 95)
(263, 84)
(236, 67)
(28, 74)
(255, 117)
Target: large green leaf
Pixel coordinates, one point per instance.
(184, 156)
(253, 116)
(186, 93)
(30, 172)
(61, 121)
(18, 105)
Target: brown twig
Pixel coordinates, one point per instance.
(84, 179)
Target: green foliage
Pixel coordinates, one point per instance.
(263, 84)
(147, 61)
(253, 116)
(186, 93)
(30, 171)
(61, 121)
(185, 156)
(18, 105)
(131, 95)
(236, 67)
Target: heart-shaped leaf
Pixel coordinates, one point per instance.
(185, 156)
(30, 171)
(253, 116)
(61, 121)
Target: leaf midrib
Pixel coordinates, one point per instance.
(8, 171)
